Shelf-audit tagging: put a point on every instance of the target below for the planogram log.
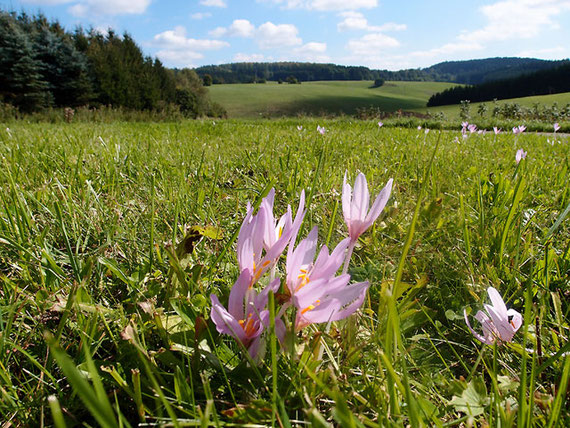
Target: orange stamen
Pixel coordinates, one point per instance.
(311, 307)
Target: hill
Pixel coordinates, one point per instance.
(452, 111)
(328, 97)
(544, 82)
(483, 70)
(468, 72)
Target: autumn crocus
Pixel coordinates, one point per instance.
(496, 130)
(299, 127)
(556, 127)
(519, 129)
(380, 124)
(321, 129)
(520, 155)
(246, 317)
(472, 128)
(355, 209)
(262, 239)
(498, 323)
(316, 292)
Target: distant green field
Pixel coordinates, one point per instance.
(452, 111)
(274, 100)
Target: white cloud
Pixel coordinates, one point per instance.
(326, 5)
(179, 50)
(176, 39)
(179, 58)
(516, 19)
(392, 26)
(447, 49)
(352, 21)
(312, 51)
(357, 21)
(108, 7)
(371, 44)
(557, 52)
(46, 2)
(200, 15)
(238, 28)
(241, 57)
(213, 3)
(269, 35)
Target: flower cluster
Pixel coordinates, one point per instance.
(313, 286)
(519, 129)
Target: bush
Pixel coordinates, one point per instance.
(292, 80)
(378, 83)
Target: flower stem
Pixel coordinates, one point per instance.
(348, 256)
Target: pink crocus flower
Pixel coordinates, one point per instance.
(556, 127)
(520, 155)
(464, 125)
(380, 124)
(316, 292)
(496, 130)
(262, 239)
(419, 127)
(355, 209)
(355, 206)
(498, 323)
(321, 130)
(299, 127)
(472, 128)
(519, 129)
(246, 316)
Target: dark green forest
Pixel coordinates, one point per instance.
(467, 72)
(543, 82)
(42, 65)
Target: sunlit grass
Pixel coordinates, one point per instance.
(105, 319)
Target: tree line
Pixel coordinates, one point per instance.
(469, 72)
(42, 65)
(260, 72)
(544, 82)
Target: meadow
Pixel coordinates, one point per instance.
(345, 97)
(114, 236)
(324, 97)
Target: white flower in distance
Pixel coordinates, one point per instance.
(498, 323)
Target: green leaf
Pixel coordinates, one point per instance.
(473, 400)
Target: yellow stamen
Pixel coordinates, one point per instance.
(311, 307)
(304, 281)
(248, 327)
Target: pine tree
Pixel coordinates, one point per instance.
(21, 81)
(64, 68)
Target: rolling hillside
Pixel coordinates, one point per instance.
(328, 97)
(452, 111)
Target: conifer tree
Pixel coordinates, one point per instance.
(21, 81)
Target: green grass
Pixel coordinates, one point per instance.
(326, 97)
(102, 323)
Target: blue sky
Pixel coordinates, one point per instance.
(375, 33)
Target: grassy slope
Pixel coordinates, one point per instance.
(125, 190)
(274, 100)
(452, 111)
